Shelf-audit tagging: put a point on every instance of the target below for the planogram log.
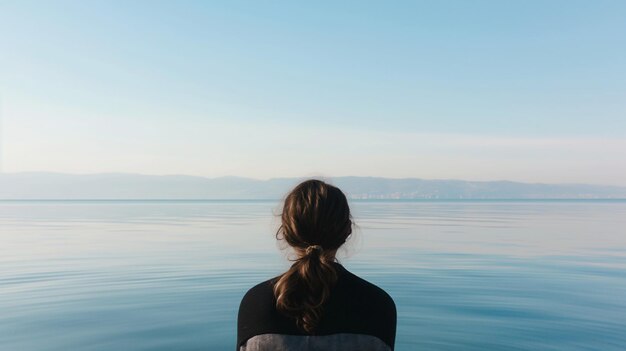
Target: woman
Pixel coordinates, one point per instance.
(317, 304)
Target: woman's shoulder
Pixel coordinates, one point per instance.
(259, 299)
(258, 314)
(359, 306)
(368, 290)
(261, 289)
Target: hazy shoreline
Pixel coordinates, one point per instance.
(118, 186)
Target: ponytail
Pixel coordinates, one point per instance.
(302, 290)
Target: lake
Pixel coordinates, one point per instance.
(169, 275)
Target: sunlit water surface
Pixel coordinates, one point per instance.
(465, 275)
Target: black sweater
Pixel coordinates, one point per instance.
(355, 312)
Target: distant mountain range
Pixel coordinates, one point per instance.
(42, 185)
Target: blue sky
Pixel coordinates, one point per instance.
(521, 90)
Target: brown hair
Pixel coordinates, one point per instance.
(316, 221)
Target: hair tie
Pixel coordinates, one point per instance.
(312, 248)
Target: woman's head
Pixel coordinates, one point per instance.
(315, 222)
(315, 214)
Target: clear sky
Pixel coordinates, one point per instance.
(480, 90)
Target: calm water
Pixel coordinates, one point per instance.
(483, 275)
